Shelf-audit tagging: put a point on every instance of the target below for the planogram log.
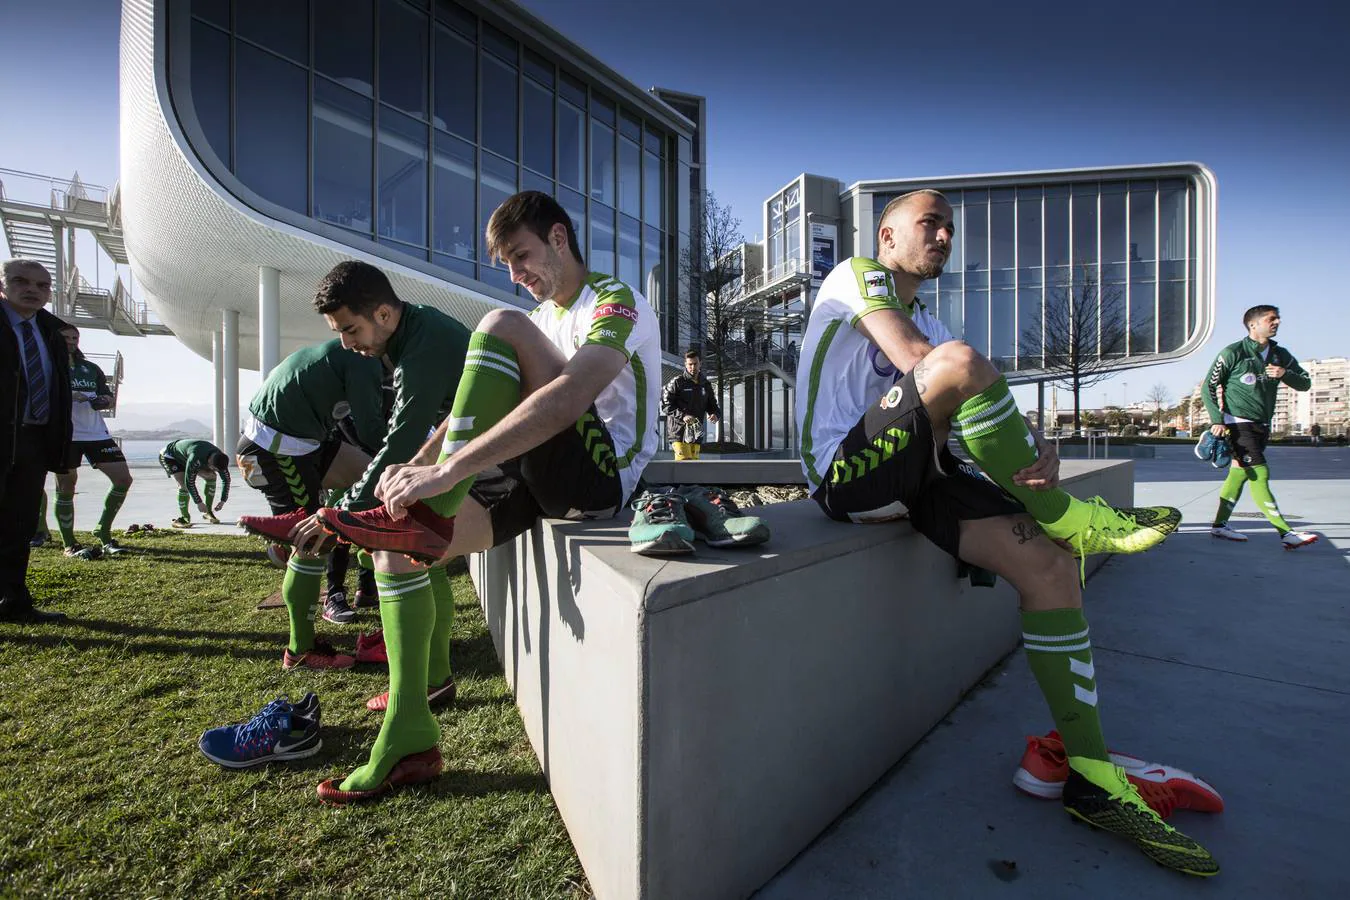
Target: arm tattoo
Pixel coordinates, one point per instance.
(1026, 531)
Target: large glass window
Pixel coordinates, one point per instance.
(653, 271)
(1084, 226)
(537, 152)
(457, 17)
(1003, 326)
(214, 11)
(602, 240)
(1113, 232)
(500, 106)
(211, 86)
(403, 57)
(456, 85)
(343, 49)
(653, 190)
(630, 177)
(975, 247)
(630, 251)
(342, 157)
(403, 179)
(271, 146)
(1056, 228)
(575, 204)
(453, 212)
(1002, 232)
(571, 145)
(281, 27)
(496, 182)
(602, 163)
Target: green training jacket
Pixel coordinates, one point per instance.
(194, 456)
(427, 351)
(1248, 392)
(310, 390)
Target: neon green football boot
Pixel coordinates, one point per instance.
(1094, 526)
(1097, 792)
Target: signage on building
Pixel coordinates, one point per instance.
(823, 240)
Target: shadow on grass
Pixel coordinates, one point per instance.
(249, 556)
(63, 637)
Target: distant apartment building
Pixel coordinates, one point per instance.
(1327, 403)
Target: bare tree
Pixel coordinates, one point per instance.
(1085, 327)
(713, 270)
(1161, 398)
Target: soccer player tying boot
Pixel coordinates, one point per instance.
(426, 349)
(884, 386)
(183, 461)
(555, 416)
(290, 448)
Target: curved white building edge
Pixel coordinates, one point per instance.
(196, 249)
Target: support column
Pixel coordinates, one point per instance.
(218, 403)
(269, 319)
(59, 276)
(1040, 406)
(229, 338)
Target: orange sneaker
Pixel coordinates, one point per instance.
(1045, 768)
(320, 656)
(370, 647)
(441, 695)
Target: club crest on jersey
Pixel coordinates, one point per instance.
(875, 283)
(892, 398)
(1248, 379)
(614, 309)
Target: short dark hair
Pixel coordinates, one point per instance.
(63, 325)
(534, 210)
(1257, 312)
(693, 354)
(357, 286)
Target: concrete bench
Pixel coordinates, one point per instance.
(700, 720)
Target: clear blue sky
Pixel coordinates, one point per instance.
(1259, 93)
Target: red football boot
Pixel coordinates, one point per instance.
(421, 535)
(370, 647)
(440, 695)
(415, 768)
(277, 529)
(1045, 767)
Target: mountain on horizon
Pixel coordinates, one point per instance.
(183, 428)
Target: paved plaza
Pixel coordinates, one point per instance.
(1226, 659)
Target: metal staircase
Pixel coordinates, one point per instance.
(40, 216)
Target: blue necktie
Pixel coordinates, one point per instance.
(37, 382)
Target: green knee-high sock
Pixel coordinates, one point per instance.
(111, 505)
(42, 515)
(1259, 476)
(408, 614)
(438, 666)
(992, 431)
(300, 593)
(1060, 655)
(209, 495)
(183, 500)
(488, 390)
(1229, 494)
(65, 517)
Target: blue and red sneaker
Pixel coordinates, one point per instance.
(281, 730)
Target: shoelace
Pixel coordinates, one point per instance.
(271, 717)
(722, 500)
(1130, 797)
(658, 507)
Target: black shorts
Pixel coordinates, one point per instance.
(1248, 440)
(97, 452)
(288, 482)
(572, 475)
(890, 457)
(170, 465)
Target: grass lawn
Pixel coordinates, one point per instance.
(105, 793)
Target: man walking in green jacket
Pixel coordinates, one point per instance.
(1240, 398)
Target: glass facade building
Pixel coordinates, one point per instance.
(1117, 257)
(398, 126)
(1121, 257)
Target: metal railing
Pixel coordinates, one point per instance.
(1096, 437)
(39, 190)
(111, 364)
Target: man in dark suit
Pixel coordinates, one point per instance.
(34, 423)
